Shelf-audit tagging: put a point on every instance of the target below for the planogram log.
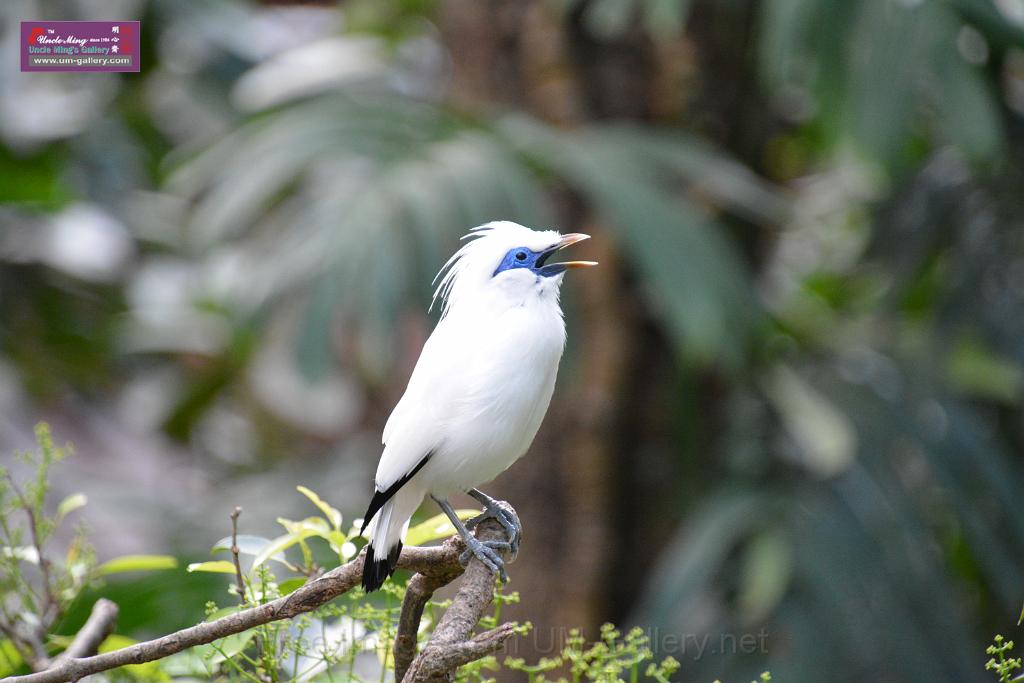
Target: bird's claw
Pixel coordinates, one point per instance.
(506, 516)
(486, 552)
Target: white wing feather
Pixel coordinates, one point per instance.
(412, 431)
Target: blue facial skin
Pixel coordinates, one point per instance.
(521, 257)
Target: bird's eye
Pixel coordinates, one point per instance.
(520, 256)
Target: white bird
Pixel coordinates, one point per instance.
(479, 390)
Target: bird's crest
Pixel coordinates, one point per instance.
(486, 243)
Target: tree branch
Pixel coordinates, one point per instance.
(439, 559)
(440, 663)
(417, 594)
(39, 659)
(451, 644)
(98, 626)
(449, 647)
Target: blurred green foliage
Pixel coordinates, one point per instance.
(40, 584)
(823, 235)
(330, 641)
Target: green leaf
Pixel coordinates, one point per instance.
(276, 548)
(187, 664)
(116, 642)
(877, 113)
(228, 647)
(767, 567)
(297, 532)
(315, 526)
(435, 528)
(969, 109)
(247, 545)
(10, 658)
(291, 585)
(331, 513)
(70, 504)
(826, 437)
(338, 543)
(215, 566)
(190, 663)
(200, 661)
(137, 563)
(974, 369)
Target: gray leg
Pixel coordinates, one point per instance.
(485, 551)
(501, 511)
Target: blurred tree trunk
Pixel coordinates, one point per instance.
(587, 472)
(578, 476)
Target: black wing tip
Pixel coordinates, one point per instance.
(381, 497)
(376, 503)
(377, 570)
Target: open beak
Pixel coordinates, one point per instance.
(556, 268)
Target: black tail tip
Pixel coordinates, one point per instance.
(376, 570)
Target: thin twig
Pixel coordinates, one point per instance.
(50, 603)
(239, 580)
(98, 626)
(39, 659)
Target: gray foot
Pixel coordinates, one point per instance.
(503, 513)
(486, 552)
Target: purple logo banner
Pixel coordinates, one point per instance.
(80, 45)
